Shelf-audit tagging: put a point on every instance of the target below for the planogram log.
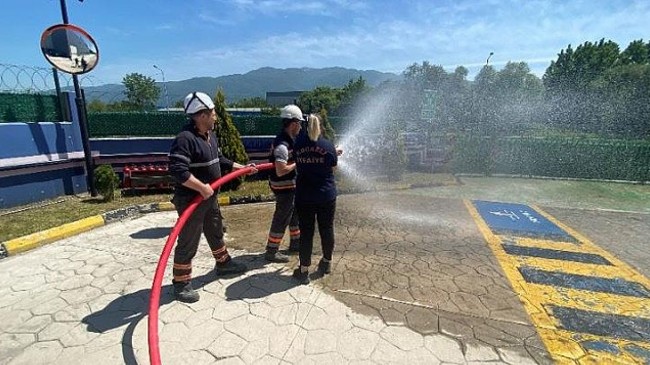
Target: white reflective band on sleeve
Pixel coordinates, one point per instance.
(180, 157)
(203, 164)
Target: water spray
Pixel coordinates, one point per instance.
(154, 298)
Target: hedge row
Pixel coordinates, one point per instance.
(29, 108)
(590, 158)
(168, 124)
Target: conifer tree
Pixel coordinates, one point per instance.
(229, 139)
(327, 129)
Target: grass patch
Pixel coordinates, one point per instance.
(21, 221)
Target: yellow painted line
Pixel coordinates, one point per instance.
(25, 243)
(575, 268)
(626, 269)
(591, 301)
(531, 300)
(594, 357)
(564, 346)
(553, 245)
(223, 200)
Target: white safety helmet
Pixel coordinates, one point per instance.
(197, 101)
(291, 112)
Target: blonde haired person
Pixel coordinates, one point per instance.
(315, 200)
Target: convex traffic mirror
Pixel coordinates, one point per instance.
(69, 49)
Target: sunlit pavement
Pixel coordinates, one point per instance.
(416, 279)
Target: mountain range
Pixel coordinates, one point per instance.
(251, 84)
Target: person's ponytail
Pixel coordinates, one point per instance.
(313, 127)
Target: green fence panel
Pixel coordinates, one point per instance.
(589, 158)
(29, 108)
(135, 124)
(141, 124)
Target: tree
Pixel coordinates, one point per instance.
(351, 95)
(96, 106)
(636, 53)
(141, 91)
(229, 138)
(624, 93)
(574, 104)
(518, 97)
(484, 99)
(417, 79)
(255, 102)
(327, 129)
(453, 112)
(321, 97)
(574, 70)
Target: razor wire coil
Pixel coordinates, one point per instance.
(22, 79)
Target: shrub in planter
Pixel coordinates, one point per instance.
(106, 181)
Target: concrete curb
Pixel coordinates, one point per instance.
(34, 240)
(38, 239)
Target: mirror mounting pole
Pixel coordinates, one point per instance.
(83, 121)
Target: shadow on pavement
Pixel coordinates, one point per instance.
(152, 233)
(260, 285)
(130, 309)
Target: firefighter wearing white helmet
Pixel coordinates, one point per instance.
(195, 161)
(282, 181)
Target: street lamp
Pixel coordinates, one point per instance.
(164, 87)
(487, 62)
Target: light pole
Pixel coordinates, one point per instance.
(83, 120)
(164, 87)
(487, 62)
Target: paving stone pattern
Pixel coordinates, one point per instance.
(413, 282)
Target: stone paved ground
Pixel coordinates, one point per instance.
(413, 282)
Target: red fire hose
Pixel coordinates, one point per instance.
(154, 299)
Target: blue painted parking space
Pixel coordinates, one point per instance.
(519, 220)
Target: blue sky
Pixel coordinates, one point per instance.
(194, 38)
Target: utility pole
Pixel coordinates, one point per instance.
(164, 87)
(487, 62)
(83, 120)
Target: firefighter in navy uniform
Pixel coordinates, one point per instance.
(195, 161)
(282, 181)
(316, 159)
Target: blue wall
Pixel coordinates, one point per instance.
(126, 146)
(40, 161)
(44, 160)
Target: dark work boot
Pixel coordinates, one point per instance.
(275, 256)
(184, 292)
(229, 267)
(302, 277)
(324, 267)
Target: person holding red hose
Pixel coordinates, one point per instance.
(282, 181)
(195, 161)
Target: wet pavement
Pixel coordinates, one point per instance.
(416, 279)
